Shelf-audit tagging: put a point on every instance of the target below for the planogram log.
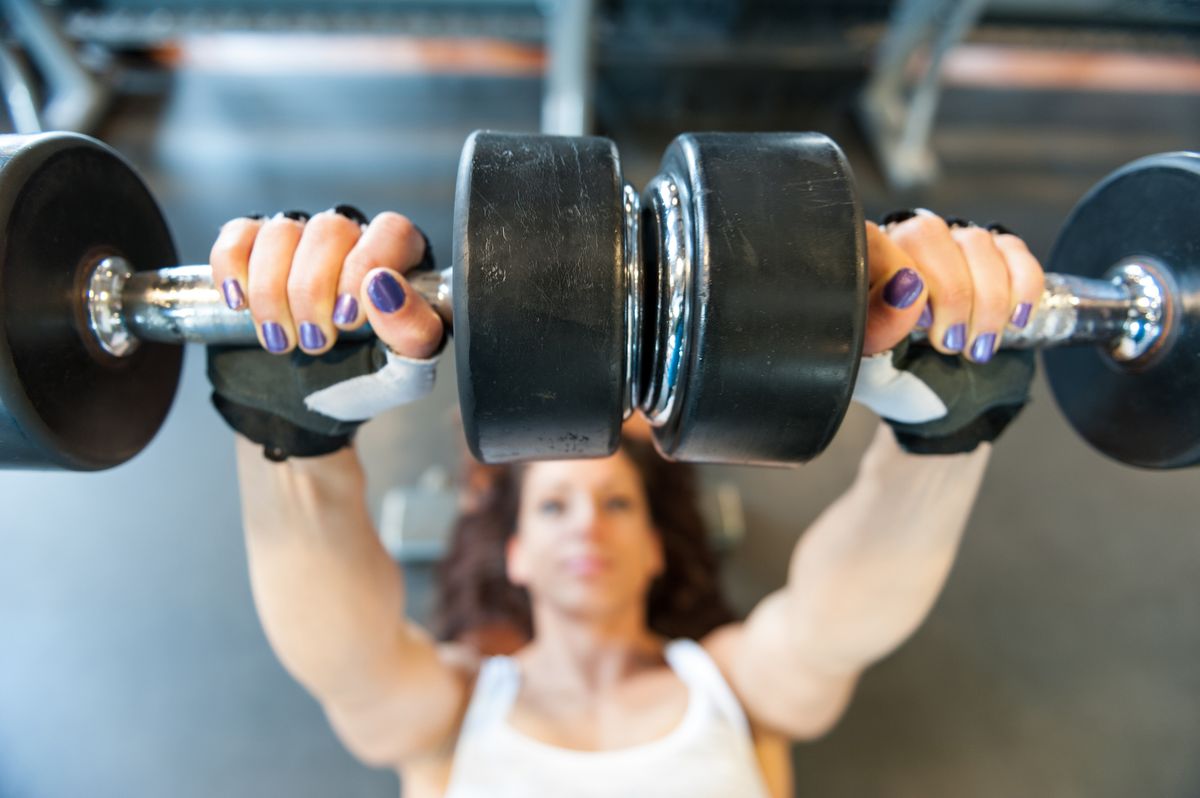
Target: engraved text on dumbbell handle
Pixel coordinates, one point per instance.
(180, 304)
(1125, 311)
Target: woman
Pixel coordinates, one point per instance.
(595, 700)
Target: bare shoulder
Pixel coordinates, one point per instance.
(722, 644)
(415, 708)
(780, 694)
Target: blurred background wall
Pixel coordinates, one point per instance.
(1061, 660)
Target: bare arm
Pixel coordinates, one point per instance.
(331, 602)
(861, 580)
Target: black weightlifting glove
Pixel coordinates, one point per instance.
(298, 405)
(942, 404)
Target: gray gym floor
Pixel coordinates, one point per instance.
(1061, 660)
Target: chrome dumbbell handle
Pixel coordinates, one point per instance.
(1125, 310)
(180, 304)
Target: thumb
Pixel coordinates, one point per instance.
(401, 317)
(897, 296)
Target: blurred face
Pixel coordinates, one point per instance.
(585, 542)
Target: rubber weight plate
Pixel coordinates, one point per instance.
(65, 201)
(1146, 412)
(779, 296)
(539, 287)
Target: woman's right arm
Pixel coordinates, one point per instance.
(331, 602)
(330, 598)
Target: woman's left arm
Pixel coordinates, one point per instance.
(869, 569)
(860, 581)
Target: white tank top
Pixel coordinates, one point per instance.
(710, 752)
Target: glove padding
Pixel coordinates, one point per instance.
(943, 404)
(305, 406)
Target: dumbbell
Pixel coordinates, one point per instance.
(726, 302)
(575, 301)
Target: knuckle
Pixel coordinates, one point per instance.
(975, 238)
(224, 253)
(396, 224)
(264, 298)
(304, 291)
(992, 307)
(928, 225)
(357, 264)
(957, 297)
(327, 223)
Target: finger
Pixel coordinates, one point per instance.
(1027, 280)
(316, 268)
(399, 315)
(230, 258)
(270, 264)
(991, 305)
(926, 239)
(390, 241)
(896, 294)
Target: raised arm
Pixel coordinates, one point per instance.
(330, 599)
(869, 569)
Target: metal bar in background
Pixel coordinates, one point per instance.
(570, 80)
(898, 118)
(19, 101)
(75, 98)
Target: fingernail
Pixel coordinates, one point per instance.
(956, 338)
(311, 336)
(234, 297)
(958, 221)
(297, 216)
(351, 213)
(926, 320)
(346, 309)
(996, 227)
(903, 289)
(1020, 316)
(254, 216)
(896, 217)
(981, 351)
(386, 293)
(274, 337)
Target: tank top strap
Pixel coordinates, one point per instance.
(696, 667)
(495, 690)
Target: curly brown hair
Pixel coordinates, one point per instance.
(475, 600)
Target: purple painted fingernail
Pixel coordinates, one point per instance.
(926, 320)
(311, 336)
(981, 350)
(274, 337)
(956, 338)
(346, 309)
(1020, 317)
(903, 289)
(234, 297)
(386, 292)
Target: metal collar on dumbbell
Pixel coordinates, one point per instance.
(105, 306)
(180, 304)
(633, 298)
(1148, 316)
(669, 214)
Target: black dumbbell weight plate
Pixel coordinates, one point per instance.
(1146, 412)
(779, 296)
(539, 287)
(66, 202)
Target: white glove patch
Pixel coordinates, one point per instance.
(895, 394)
(400, 381)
